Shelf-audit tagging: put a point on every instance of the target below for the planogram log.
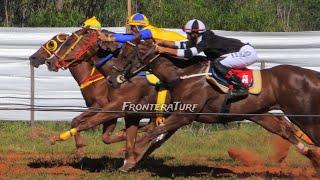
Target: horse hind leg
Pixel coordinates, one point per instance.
(287, 131)
(313, 132)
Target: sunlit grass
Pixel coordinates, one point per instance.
(198, 144)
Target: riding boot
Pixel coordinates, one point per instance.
(240, 91)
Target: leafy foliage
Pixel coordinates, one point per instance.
(241, 15)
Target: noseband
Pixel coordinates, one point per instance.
(61, 62)
(126, 74)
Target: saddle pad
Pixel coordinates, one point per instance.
(255, 86)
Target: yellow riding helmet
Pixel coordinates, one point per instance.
(138, 19)
(92, 23)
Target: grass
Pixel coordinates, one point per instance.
(196, 146)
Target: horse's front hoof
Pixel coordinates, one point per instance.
(52, 140)
(127, 166)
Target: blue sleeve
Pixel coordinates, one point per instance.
(145, 34)
(123, 38)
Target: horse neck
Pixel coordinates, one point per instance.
(104, 69)
(81, 71)
(167, 71)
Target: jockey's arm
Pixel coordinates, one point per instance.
(123, 38)
(184, 53)
(164, 43)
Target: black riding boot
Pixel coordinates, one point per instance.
(240, 91)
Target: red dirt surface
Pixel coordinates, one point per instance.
(245, 156)
(14, 164)
(280, 149)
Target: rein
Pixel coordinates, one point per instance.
(62, 62)
(141, 60)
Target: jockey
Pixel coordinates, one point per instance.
(227, 52)
(92, 23)
(139, 24)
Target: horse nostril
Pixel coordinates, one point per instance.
(32, 58)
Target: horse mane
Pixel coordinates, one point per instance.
(106, 31)
(183, 63)
(179, 62)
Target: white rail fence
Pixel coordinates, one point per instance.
(60, 89)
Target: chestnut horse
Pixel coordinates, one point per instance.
(88, 46)
(143, 92)
(92, 84)
(292, 89)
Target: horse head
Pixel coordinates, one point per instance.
(47, 50)
(80, 45)
(134, 57)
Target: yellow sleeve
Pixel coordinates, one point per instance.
(162, 34)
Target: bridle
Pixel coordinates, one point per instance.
(126, 74)
(62, 62)
(51, 50)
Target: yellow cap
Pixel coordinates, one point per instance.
(92, 23)
(138, 19)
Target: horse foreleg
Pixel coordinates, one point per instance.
(92, 121)
(131, 131)
(108, 128)
(171, 124)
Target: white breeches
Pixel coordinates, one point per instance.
(246, 56)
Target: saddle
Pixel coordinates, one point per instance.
(250, 78)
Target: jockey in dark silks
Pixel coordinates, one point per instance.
(227, 52)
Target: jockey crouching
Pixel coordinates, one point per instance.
(227, 53)
(139, 25)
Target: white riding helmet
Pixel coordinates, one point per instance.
(194, 25)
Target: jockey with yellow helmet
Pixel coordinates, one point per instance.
(139, 24)
(92, 23)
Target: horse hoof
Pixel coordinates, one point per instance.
(127, 166)
(314, 156)
(52, 140)
(79, 153)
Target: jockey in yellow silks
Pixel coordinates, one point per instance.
(139, 23)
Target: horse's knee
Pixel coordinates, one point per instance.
(75, 122)
(186, 121)
(106, 138)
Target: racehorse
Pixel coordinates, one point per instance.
(84, 43)
(93, 87)
(289, 88)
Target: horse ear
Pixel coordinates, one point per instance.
(84, 30)
(137, 38)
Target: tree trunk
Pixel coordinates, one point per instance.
(59, 5)
(6, 12)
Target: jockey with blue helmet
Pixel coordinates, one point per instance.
(226, 52)
(139, 24)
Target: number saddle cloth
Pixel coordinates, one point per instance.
(250, 78)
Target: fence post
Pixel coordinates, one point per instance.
(32, 95)
(129, 6)
(263, 65)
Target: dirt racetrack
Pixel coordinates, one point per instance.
(60, 165)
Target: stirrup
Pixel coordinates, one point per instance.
(237, 94)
